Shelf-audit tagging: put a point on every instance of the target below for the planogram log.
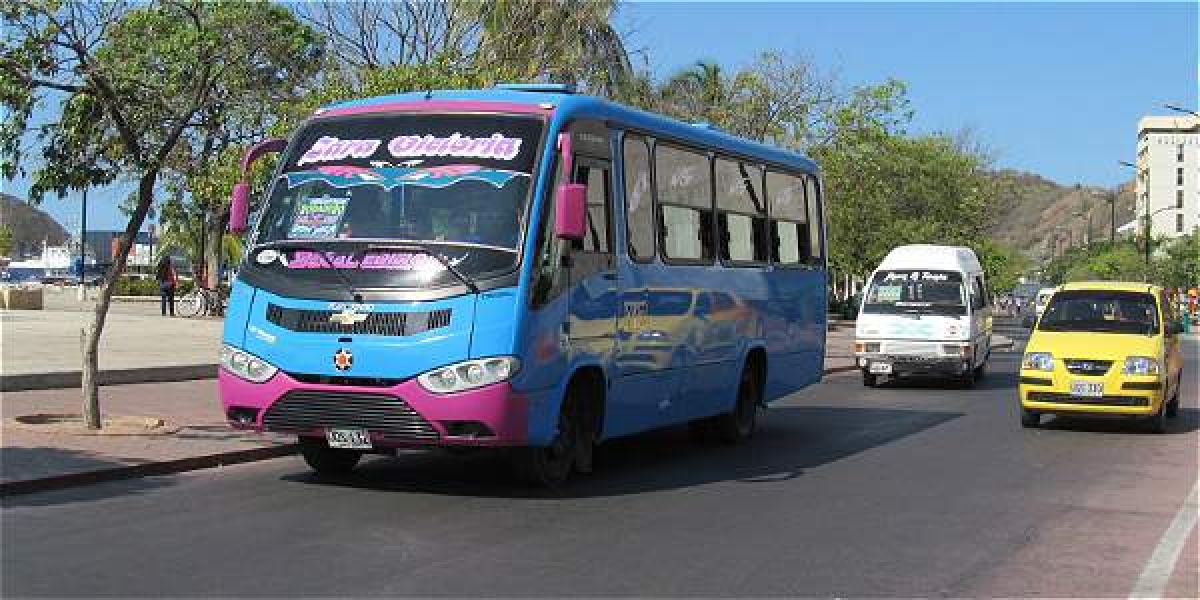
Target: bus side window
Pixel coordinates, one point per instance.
(683, 184)
(598, 238)
(639, 201)
(791, 240)
(742, 211)
(815, 202)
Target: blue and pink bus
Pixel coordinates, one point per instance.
(520, 268)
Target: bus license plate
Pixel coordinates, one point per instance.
(1087, 389)
(881, 368)
(353, 439)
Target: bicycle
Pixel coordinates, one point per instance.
(203, 302)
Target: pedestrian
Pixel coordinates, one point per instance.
(168, 280)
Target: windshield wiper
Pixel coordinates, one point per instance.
(450, 268)
(290, 245)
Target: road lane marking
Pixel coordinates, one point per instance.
(1158, 569)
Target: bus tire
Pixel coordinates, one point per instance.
(550, 466)
(870, 379)
(739, 424)
(325, 460)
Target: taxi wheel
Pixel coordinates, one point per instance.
(325, 460)
(1173, 405)
(1030, 419)
(1158, 422)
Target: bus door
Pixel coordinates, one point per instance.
(594, 296)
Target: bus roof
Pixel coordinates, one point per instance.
(929, 256)
(534, 98)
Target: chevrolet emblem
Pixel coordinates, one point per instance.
(348, 316)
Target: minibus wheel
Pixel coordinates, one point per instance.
(550, 466)
(739, 424)
(870, 379)
(325, 460)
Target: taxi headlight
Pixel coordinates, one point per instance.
(246, 365)
(469, 374)
(1038, 361)
(1140, 365)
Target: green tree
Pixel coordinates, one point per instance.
(1178, 264)
(6, 240)
(1003, 265)
(136, 86)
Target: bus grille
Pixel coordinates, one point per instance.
(375, 323)
(305, 410)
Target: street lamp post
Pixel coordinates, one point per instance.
(1137, 173)
(1181, 110)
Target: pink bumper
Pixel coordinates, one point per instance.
(502, 411)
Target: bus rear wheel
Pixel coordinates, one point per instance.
(328, 461)
(739, 424)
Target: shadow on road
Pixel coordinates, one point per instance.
(789, 441)
(1188, 421)
(23, 463)
(999, 376)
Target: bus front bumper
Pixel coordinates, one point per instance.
(402, 415)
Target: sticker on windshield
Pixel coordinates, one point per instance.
(386, 261)
(317, 217)
(343, 177)
(888, 293)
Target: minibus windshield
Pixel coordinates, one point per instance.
(454, 184)
(916, 292)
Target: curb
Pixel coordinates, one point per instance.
(181, 465)
(150, 469)
(72, 379)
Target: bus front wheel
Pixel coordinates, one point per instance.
(550, 466)
(325, 460)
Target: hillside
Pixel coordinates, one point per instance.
(1031, 208)
(30, 227)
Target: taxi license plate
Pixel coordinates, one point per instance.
(881, 368)
(353, 439)
(1087, 389)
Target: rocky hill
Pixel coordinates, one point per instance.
(30, 227)
(1031, 209)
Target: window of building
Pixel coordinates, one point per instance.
(1179, 153)
(1178, 198)
(639, 198)
(683, 185)
(789, 219)
(742, 211)
(1179, 223)
(1179, 176)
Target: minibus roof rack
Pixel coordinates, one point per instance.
(550, 88)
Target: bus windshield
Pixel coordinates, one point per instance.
(454, 184)
(916, 292)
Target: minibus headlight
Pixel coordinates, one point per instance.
(246, 365)
(469, 374)
(1038, 361)
(1140, 365)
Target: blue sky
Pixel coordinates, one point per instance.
(1054, 89)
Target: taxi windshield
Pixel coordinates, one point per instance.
(1101, 311)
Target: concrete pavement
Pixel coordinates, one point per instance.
(41, 348)
(909, 490)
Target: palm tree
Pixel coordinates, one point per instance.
(700, 92)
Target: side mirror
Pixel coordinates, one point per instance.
(570, 211)
(239, 200)
(239, 207)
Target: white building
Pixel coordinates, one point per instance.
(1168, 175)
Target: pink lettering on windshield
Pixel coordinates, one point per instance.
(331, 148)
(497, 146)
(389, 261)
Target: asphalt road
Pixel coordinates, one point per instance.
(908, 490)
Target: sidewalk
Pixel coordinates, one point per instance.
(40, 349)
(191, 405)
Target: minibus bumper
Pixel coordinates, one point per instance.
(898, 365)
(402, 415)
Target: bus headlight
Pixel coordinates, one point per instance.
(245, 365)
(1140, 365)
(469, 374)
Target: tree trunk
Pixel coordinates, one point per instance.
(90, 335)
(213, 250)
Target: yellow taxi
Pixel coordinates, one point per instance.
(1104, 348)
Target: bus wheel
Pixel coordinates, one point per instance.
(739, 424)
(550, 466)
(325, 460)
